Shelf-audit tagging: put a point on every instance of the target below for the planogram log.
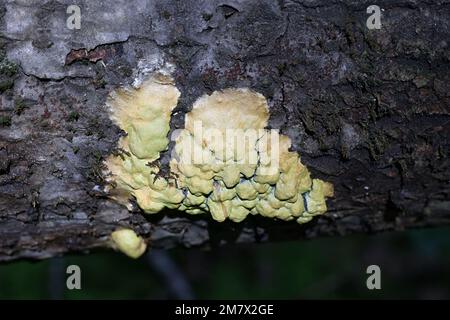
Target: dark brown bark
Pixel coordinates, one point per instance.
(367, 110)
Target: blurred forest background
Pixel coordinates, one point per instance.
(414, 264)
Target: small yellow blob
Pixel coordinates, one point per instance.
(128, 242)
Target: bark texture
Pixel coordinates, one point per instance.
(367, 110)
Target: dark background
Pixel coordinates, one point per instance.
(414, 264)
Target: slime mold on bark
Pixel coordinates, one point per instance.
(224, 161)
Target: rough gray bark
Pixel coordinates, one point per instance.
(367, 110)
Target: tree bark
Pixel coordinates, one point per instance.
(367, 110)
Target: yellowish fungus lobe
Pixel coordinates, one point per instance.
(144, 114)
(128, 242)
(224, 162)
